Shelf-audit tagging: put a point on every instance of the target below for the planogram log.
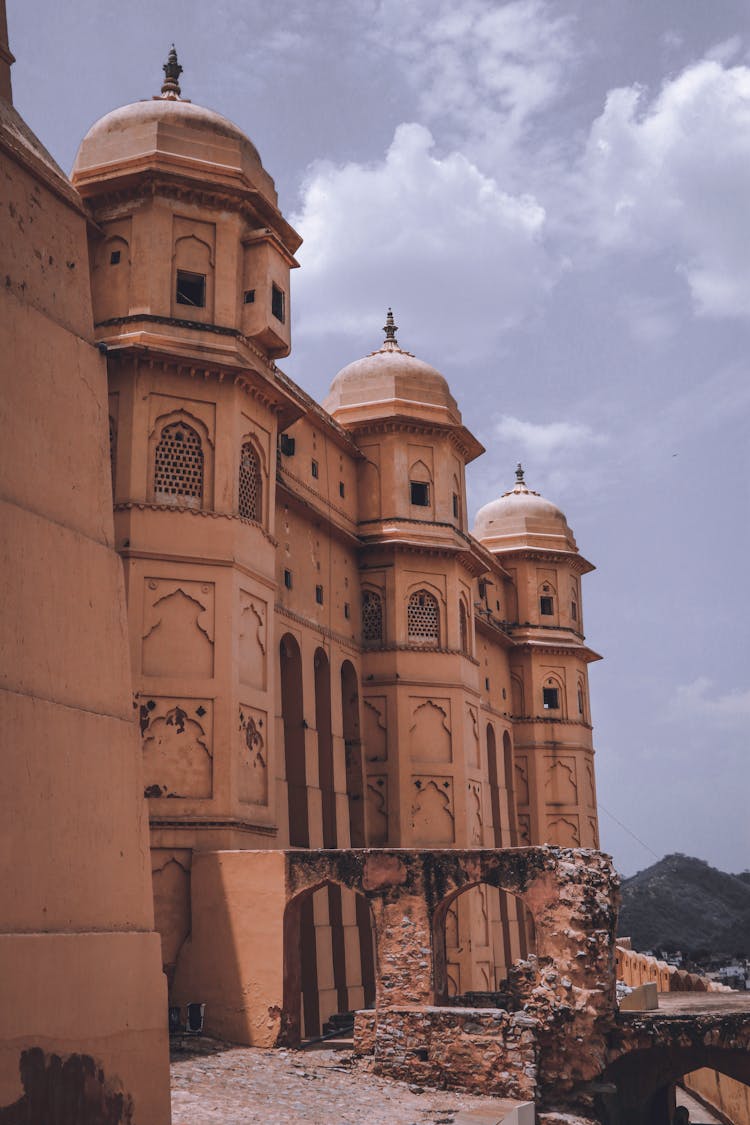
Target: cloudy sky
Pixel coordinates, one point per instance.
(555, 198)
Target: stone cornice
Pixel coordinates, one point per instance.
(200, 823)
(459, 436)
(572, 559)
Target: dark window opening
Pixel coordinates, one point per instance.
(342, 490)
(546, 606)
(249, 296)
(114, 257)
(420, 493)
(580, 702)
(347, 610)
(497, 604)
(314, 469)
(482, 589)
(486, 683)
(319, 595)
(191, 289)
(287, 444)
(551, 698)
(455, 505)
(574, 610)
(277, 303)
(288, 579)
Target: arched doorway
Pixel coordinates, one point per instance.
(476, 946)
(301, 1014)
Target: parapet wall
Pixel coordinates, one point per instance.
(635, 969)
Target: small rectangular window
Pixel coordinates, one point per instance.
(486, 683)
(347, 610)
(420, 493)
(114, 257)
(546, 606)
(455, 505)
(288, 579)
(277, 303)
(286, 445)
(314, 469)
(550, 698)
(574, 611)
(191, 289)
(319, 595)
(342, 490)
(249, 296)
(482, 589)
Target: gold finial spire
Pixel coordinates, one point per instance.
(172, 72)
(390, 328)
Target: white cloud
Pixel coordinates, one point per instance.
(458, 258)
(700, 701)
(673, 175)
(483, 67)
(546, 441)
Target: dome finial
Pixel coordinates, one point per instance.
(519, 474)
(390, 328)
(172, 71)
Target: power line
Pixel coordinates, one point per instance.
(625, 828)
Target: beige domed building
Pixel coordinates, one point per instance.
(324, 655)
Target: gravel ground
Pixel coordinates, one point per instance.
(217, 1084)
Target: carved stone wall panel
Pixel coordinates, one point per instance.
(564, 830)
(560, 782)
(377, 810)
(375, 715)
(178, 629)
(590, 786)
(432, 816)
(474, 816)
(524, 830)
(430, 730)
(594, 830)
(253, 757)
(521, 779)
(471, 729)
(177, 746)
(253, 638)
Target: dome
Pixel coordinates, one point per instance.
(390, 382)
(523, 518)
(170, 133)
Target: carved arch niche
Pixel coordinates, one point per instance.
(430, 730)
(253, 780)
(377, 810)
(375, 716)
(110, 282)
(471, 730)
(561, 783)
(368, 484)
(432, 817)
(178, 629)
(253, 637)
(170, 875)
(564, 831)
(193, 254)
(177, 747)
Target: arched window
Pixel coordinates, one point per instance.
(463, 626)
(178, 466)
(251, 484)
(372, 617)
(423, 618)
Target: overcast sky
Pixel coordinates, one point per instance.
(555, 198)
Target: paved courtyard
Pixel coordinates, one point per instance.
(216, 1084)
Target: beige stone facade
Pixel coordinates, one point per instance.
(324, 655)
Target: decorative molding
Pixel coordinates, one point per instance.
(237, 825)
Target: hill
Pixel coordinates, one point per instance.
(682, 902)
